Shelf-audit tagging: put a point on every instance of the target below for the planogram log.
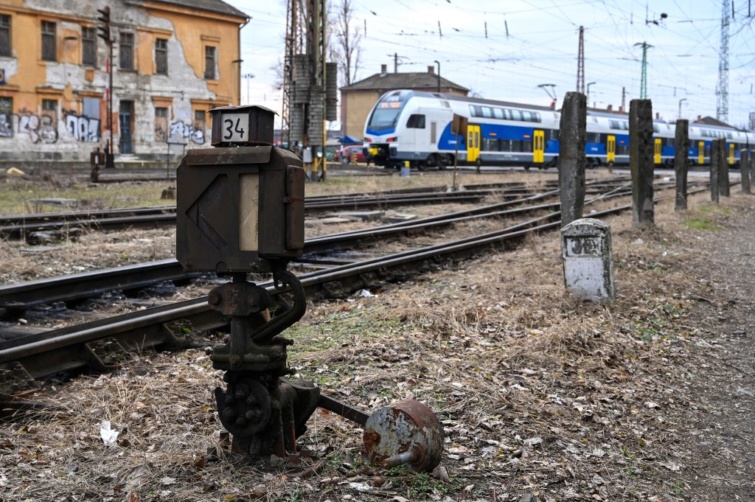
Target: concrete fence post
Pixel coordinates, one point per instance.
(715, 147)
(744, 166)
(641, 160)
(681, 154)
(571, 157)
(724, 189)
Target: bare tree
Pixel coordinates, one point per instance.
(347, 47)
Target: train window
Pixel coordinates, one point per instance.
(536, 117)
(475, 110)
(554, 133)
(516, 115)
(527, 116)
(593, 137)
(487, 112)
(656, 128)
(728, 135)
(416, 121)
(507, 113)
(489, 144)
(614, 124)
(498, 113)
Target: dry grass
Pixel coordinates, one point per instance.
(539, 395)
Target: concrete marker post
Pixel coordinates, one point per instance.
(571, 157)
(723, 170)
(641, 160)
(681, 147)
(744, 166)
(715, 146)
(588, 260)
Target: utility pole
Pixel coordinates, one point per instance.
(104, 33)
(680, 107)
(644, 79)
(722, 108)
(581, 63)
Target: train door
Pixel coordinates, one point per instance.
(538, 147)
(701, 152)
(657, 148)
(473, 142)
(731, 154)
(611, 148)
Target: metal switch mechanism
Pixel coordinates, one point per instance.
(240, 209)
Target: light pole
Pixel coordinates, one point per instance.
(248, 77)
(588, 93)
(680, 107)
(438, 63)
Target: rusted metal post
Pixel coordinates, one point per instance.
(571, 157)
(641, 160)
(715, 146)
(681, 147)
(745, 163)
(723, 170)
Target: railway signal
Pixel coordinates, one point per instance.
(103, 31)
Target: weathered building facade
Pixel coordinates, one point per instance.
(172, 61)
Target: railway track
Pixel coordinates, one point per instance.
(127, 279)
(104, 344)
(17, 227)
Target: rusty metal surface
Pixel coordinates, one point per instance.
(407, 432)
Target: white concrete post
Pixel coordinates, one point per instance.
(588, 260)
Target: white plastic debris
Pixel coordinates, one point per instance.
(109, 436)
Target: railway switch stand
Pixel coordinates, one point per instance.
(240, 209)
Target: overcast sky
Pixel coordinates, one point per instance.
(506, 49)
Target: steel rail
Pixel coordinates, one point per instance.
(73, 345)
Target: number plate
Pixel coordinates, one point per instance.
(235, 127)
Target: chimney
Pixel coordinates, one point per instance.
(657, 115)
(621, 109)
(383, 69)
(610, 108)
(430, 69)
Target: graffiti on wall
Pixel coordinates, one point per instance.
(83, 128)
(187, 131)
(42, 128)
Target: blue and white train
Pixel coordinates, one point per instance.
(415, 126)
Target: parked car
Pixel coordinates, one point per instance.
(346, 154)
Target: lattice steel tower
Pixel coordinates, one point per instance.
(644, 77)
(722, 105)
(581, 61)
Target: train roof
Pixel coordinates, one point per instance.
(480, 101)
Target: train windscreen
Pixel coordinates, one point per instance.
(386, 112)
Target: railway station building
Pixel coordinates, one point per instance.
(172, 61)
(358, 98)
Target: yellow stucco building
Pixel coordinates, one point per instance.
(172, 61)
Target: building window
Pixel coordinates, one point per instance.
(209, 63)
(161, 124)
(49, 105)
(5, 49)
(89, 46)
(6, 117)
(126, 51)
(49, 48)
(199, 126)
(161, 56)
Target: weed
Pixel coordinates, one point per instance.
(701, 223)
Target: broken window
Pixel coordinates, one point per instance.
(161, 56)
(126, 51)
(49, 48)
(89, 46)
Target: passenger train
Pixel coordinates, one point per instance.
(415, 126)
